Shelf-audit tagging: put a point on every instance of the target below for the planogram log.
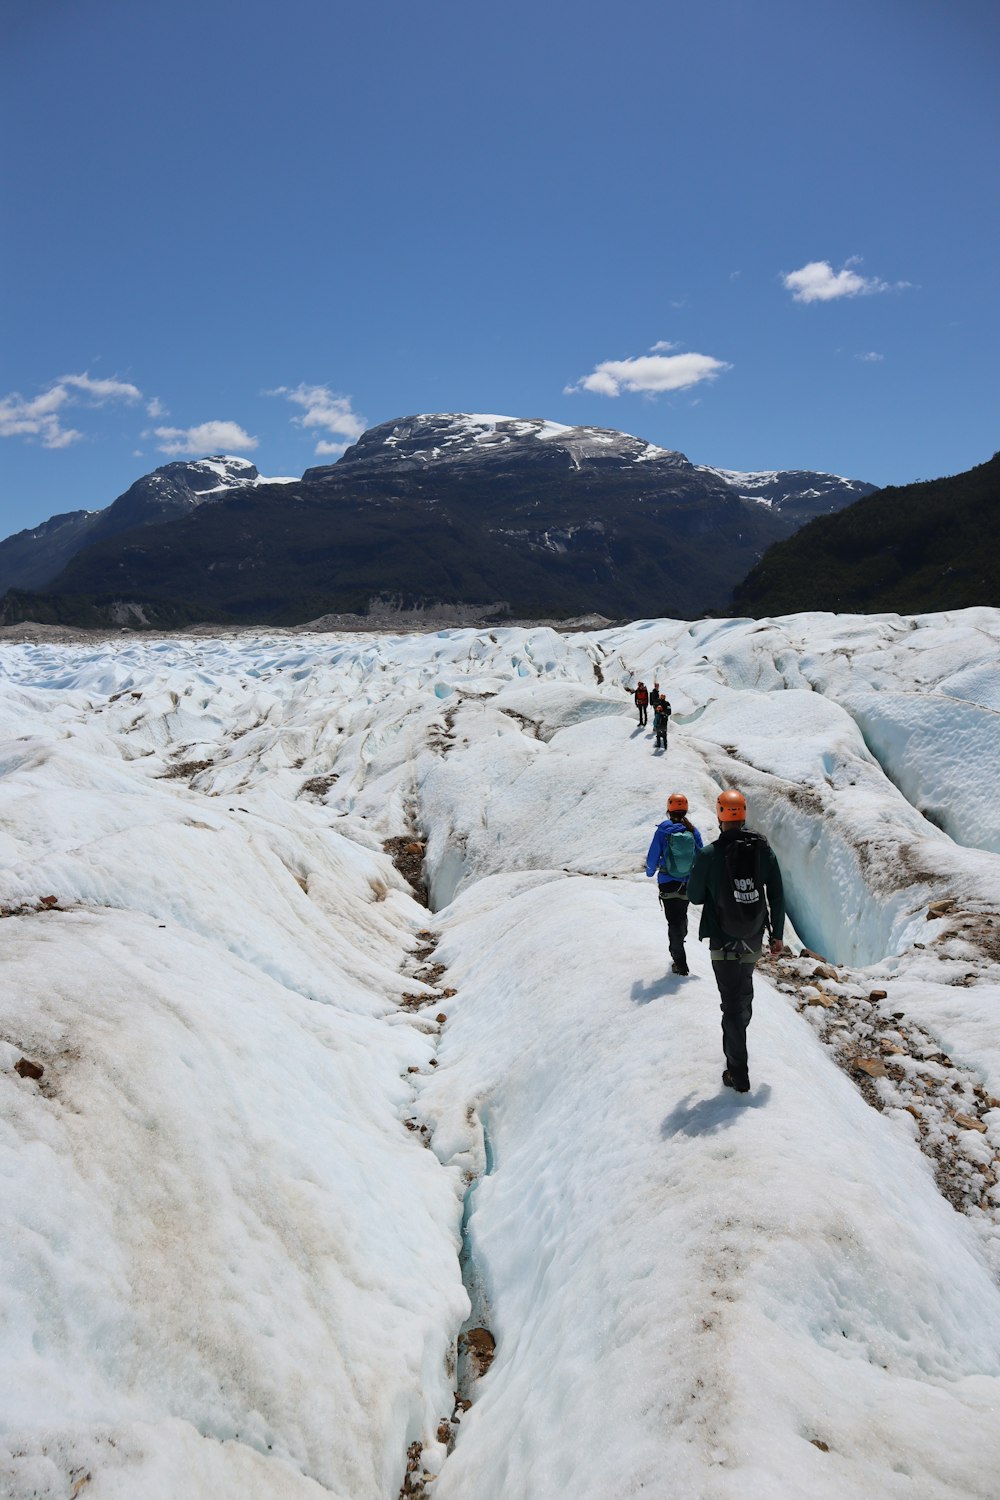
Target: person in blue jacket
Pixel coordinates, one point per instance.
(673, 876)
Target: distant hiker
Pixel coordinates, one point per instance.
(641, 696)
(738, 880)
(671, 858)
(654, 695)
(661, 718)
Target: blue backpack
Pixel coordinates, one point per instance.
(679, 854)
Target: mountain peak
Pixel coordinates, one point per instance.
(447, 438)
(201, 476)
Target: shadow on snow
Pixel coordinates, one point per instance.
(642, 993)
(706, 1116)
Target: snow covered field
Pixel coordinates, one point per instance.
(294, 1133)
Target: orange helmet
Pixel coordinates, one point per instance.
(677, 802)
(731, 807)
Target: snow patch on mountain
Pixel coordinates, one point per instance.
(228, 471)
(774, 488)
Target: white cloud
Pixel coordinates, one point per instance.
(101, 391)
(155, 408)
(819, 282)
(39, 417)
(661, 346)
(36, 419)
(322, 409)
(207, 437)
(62, 437)
(871, 358)
(651, 372)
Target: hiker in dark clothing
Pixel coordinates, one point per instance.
(738, 882)
(654, 695)
(641, 696)
(671, 859)
(661, 718)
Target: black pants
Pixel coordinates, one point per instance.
(735, 981)
(661, 739)
(675, 909)
(643, 710)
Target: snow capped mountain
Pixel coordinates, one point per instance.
(175, 489)
(31, 559)
(207, 474)
(472, 444)
(172, 491)
(780, 489)
(314, 1193)
(432, 441)
(212, 476)
(530, 517)
(457, 438)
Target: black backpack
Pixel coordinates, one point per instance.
(742, 906)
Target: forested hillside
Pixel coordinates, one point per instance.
(911, 548)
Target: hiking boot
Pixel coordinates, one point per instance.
(739, 1082)
(680, 968)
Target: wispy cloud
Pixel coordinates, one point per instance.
(819, 282)
(101, 391)
(207, 437)
(39, 418)
(652, 373)
(155, 408)
(871, 358)
(329, 413)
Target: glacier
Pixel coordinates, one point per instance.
(277, 1140)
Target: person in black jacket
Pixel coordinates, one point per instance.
(751, 901)
(661, 719)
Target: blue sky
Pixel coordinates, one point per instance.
(763, 232)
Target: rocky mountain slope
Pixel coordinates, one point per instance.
(32, 559)
(518, 516)
(475, 446)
